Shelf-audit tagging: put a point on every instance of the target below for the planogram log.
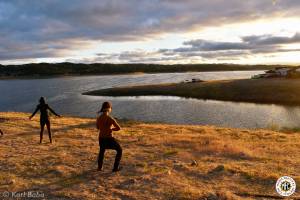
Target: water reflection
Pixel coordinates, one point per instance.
(64, 95)
(204, 112)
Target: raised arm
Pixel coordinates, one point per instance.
(37, 108)
(116, 127)
(51, 110)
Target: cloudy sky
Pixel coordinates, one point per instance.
(150, 31)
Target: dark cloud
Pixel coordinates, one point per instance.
(205, 45)
(204, 49)
(253, 44)
(35, 25)
(271, 40)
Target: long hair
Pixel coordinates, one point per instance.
(105, 107)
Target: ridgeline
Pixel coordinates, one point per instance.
(66, 69)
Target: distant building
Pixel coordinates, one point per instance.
(288, 72)
(282, 72)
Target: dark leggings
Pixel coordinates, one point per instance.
(109, 143)
(47, 123)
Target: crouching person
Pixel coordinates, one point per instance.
(106, 125)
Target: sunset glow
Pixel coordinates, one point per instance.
(160, 31)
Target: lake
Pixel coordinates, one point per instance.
(64, 96)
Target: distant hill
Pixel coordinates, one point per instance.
(51, 69)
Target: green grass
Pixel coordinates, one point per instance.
(290, 130)
(170, 152)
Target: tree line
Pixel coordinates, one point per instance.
(55, 69)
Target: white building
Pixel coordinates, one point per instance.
(282, 71)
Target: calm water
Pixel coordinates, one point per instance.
(64, 95)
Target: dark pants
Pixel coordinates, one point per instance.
(109, 143)
(46, 122)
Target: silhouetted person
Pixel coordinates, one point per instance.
(44, 117)
(106, 124)
(1, 132)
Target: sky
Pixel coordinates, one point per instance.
(150, 31)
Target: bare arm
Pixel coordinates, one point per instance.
(97, 123)
(51, 110)
(37, 108)
(116, 127)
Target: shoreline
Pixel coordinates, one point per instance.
(114, 74)
(64, 76)
(39, 70)
(264, 91)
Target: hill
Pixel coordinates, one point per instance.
(159, 161)
(62, 69)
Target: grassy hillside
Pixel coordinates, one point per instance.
(159, 161)
(52, 69)
(276, 90)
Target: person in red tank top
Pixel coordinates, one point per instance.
(106, 125)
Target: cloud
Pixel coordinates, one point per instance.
(253, 44)
(271, 40)
(205, 45)
(205, 49)
(29, 27)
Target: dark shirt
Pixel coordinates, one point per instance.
(43, 108)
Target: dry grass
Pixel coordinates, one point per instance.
(159, 161)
